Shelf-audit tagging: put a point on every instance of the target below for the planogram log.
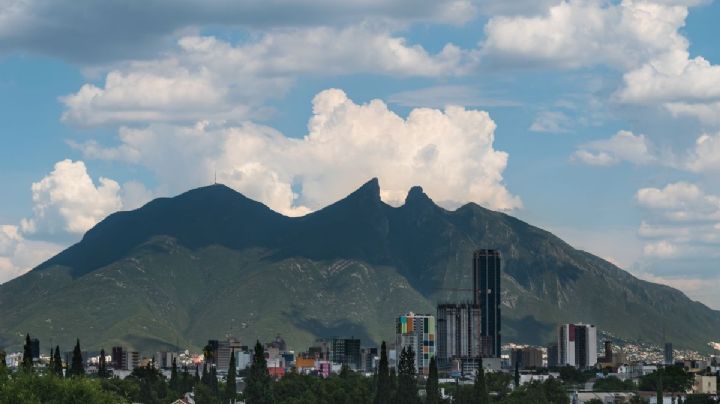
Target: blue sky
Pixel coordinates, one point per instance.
(596, 120)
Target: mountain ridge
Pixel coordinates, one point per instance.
(171, 270)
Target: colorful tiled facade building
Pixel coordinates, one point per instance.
(418, 331)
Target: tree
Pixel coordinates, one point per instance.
(383, 394)
(186, 381)
(612, 383)
(498, 383)
(213, 381)
(393, 384)
(636, 399)
(102, 366)
(659, 387)
(482, 396)
(698, 399)
(344, 370)
(27, 362)
(432, 389)
(57, 362)
(174, 382)
(76, 365)
(205, 379)
(674, 379)
(231, 384)
(197, 380)
(407, 392)
(517, 374)
(258, 389)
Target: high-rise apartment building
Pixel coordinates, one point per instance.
(577, 345)
(458, 331)
(552, 355)
(668, 354)
(346, 351)
(486, 285)
(526, 358)
(117, 358)
(419, 332)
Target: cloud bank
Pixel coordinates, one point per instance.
(449, 152)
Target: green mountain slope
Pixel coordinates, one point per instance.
(211, 262)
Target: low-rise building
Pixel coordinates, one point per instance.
(705, 384)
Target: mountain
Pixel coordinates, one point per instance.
(211, 262)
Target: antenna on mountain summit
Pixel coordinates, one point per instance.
(215, 175)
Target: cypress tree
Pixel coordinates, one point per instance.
(57, 362)
(517, 374)
(659, 393)
(174, 376)
(480, 388)
(383, 390)
(196, 379)
(205, 379)
(432, 389)
(102, 365)
(27, 362)
(76, 365)
(393, 384)
(258, 388)
(407, 383)
(3, 365)
(213, 381)
(231, 386)
(186, 381)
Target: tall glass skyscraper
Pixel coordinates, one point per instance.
(486, 294)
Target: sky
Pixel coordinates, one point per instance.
(596, 120)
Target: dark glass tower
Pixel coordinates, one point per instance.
(486, 293)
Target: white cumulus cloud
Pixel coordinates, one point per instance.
(578, 33)
(449, 152)
(67, 201)
(18, 255)
(208, 78)
(706, 154)
(623, 146)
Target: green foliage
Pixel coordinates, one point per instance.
(571, 375)
(498, 383)
(231, 383)
(258, 389)
(669, 379)
(383, 389)
(27, 362)
(480, 389)
(77, 366)
(174, 380)
(550, 391)
(3, 365)
(33, 388)
(638, 400)
(698, 399)
(594, 401)
(432, 389)
(407, 391)
(295, 388)
(612, 383)
(103, 372)
(57, 366)
(152, 385)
